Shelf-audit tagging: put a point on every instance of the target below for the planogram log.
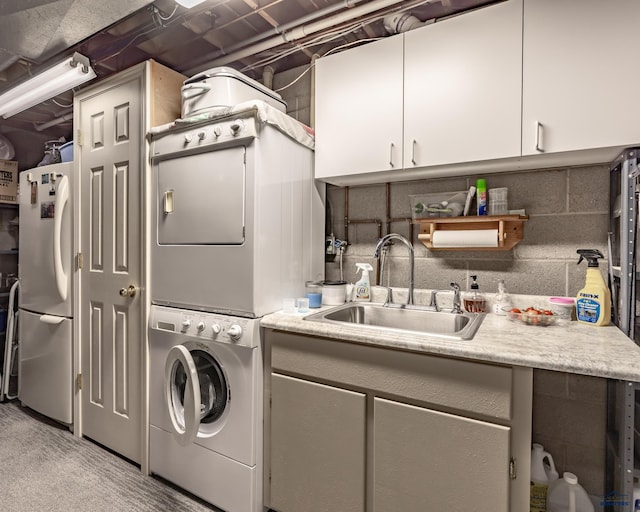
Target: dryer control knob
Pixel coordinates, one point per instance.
(201, 326)
(202, 135)
(217, 131)
(237, 126)
(188, 137)
(216, 329)
(235, 331)
(186, 323)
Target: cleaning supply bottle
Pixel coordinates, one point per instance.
(593, 304)
(475, 302)
(502, 300)
(363, 286)
(481, 196)
(543, 472)
(567, 495)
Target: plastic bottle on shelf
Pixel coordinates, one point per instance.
(474, 301)
(502, 300)
(567, 495)
(481, 196)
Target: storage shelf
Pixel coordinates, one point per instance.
(510, 230)
(9, 251)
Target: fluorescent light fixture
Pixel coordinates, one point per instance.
(189, 3)
(65, 75)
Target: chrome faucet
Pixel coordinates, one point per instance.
(457, 305)
(383, 242)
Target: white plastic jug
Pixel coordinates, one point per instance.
(543, 472)
(567, 495)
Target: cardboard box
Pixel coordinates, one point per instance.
(8, 181)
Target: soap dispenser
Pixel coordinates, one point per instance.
(474, 301)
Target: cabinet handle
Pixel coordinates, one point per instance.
(391, 155)
(539, 138)
(413, 152)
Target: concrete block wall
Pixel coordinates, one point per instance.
(568, 209)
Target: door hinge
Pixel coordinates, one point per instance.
(79, 261)
(79, 381)
(78, 140)
(512, 469)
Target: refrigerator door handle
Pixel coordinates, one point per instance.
(62, 198)
(51, 319)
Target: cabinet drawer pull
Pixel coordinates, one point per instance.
(391, 155)
(413, 152)
(539, 136)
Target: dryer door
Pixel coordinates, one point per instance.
(196, 392)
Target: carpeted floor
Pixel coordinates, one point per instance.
(43, 467)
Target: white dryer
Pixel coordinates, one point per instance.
(205, 403)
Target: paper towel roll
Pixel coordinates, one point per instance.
(466, 238)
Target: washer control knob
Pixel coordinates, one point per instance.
(235, 331)
(216, 329)
(186, 323)
(188, 137)
(236, 127)
(201, 326)
(217, 131)
(202, 134)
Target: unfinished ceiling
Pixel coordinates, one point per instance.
(244, 34)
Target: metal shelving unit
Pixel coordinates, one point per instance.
(623, 424)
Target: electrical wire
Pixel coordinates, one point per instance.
(157, 13)
(62, 105)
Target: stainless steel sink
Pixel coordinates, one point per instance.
(462, 326)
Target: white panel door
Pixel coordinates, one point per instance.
(579, 75)
(111, 158)
(359, 110)
(462, 88)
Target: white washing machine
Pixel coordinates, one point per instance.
(205, 405)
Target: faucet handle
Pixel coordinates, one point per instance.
(457, 305)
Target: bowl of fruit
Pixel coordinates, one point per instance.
(531, 316)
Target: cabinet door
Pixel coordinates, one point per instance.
(359, 110)
(579, 75)
(317, 447)
(429, 460)
(462, 88)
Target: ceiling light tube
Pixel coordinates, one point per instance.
(62, 77)
(189, 3)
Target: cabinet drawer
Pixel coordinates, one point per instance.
(478, 388)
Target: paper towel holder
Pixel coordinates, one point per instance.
(510, 230)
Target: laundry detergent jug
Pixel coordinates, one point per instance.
(543, 472)
(567, 495)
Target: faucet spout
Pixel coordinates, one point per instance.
(385, 240)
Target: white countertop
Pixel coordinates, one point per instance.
(573, 347)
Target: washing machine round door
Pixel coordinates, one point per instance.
(195, 391)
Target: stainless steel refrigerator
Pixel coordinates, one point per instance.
(45, 271)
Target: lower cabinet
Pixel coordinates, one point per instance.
(352, 427)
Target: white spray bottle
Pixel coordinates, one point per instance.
(363, 286)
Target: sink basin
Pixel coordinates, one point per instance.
(377, 317)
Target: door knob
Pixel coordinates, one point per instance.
(128, 292)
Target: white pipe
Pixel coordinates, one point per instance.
(300, 32)
(53, 122)
(267, 77)
(345, 4)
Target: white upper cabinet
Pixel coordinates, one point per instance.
(359, 110)
(580, 75)
(462, 88)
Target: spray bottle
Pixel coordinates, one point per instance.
(363, 286)
(594, 300)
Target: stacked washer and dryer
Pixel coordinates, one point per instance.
(237, 226)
